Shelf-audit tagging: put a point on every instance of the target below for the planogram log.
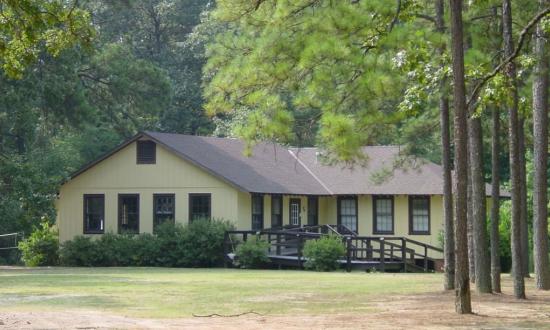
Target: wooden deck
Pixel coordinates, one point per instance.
(362, 252)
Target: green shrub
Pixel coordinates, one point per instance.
(323, 254)
(252, 254)
(199, 244)
(41, 248)
(82, 251)
(202, 243)
(147, 251)
(169, 238)
(116, 250)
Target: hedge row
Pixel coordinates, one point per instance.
(199, 244)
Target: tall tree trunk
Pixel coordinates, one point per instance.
(515, 173)
(470, 223)
(463, 302)
(479, 208)
(495, 198)
(447, 170)
(524, 226)
(540, 159)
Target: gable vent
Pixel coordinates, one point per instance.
(146, 152)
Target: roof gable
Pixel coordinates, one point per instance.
(270, 168)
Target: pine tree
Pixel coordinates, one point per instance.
(495, 196)
(524, 222)
(446, 162)
(479, 209)
(540, 158)
(463, 299)
(513, 142)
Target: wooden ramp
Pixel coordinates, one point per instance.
(362, 252)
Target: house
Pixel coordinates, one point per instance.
(157, 177)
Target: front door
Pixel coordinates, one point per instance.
(295, 206)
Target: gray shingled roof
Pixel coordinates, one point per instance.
(378, 176)
(275, 169)
(278, 170)
(270, 169)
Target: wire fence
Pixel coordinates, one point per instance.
(10, 241)
(9, 250)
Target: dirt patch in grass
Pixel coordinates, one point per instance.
(412, 311)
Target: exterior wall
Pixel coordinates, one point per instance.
(120, 174)
(244, 207)
(328, 215)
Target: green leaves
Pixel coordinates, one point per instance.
(28, 26)
(339, 136)
(320, 61)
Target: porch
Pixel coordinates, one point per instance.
(380, 253)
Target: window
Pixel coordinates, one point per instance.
(146, 152)
(164, 209)
(383, 214)
(313, 211)
(419, 215)
(257, 212)
(128, 213)
(347, 212)
(94, 214)
(199, 206)
(276, 211)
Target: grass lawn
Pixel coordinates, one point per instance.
(412, 300)
(167, 293)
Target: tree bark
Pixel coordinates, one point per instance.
(479, 208)
(495, 198)
(515, 173)
(524, 226)
(470, 224)
(449, 266)
(540, 158)
(463, 304)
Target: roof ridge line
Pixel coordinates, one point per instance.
(310, 172)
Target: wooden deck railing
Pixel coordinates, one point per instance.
(287, 244)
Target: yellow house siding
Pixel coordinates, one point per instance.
(244, 206)
(364, 209)
(120, 174)
(267, 211)
(329, 210)
(328, 215)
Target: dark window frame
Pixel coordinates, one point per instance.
(339, 210)
(190, 206)
(119, 220)
(84, 229)
(261, 198)
(290, 200)
(375, 230)
(309, 208)
(280, 198)
(139, 149)
(155, 202)
(411, 227)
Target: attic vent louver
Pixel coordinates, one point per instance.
(146, 152)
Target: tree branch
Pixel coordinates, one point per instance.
(522, 36)
(230, 315)
(396, 17)
(426, 17)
